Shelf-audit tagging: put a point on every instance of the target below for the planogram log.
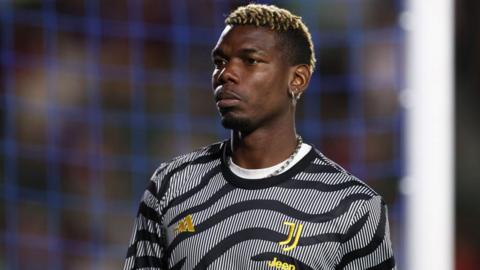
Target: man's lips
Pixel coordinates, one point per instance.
(227, 102)
(226, 98)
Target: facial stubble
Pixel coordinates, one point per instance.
(236, 123)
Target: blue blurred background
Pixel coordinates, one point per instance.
(95, 94)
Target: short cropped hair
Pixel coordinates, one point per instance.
(296, 39)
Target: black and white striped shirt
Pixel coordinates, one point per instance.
(197, 214)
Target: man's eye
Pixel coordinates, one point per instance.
(252, 61)
(219, 62)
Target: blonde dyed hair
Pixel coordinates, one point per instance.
(297, 40)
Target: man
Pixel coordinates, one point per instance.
(262, 199)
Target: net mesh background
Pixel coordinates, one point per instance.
(95, 94)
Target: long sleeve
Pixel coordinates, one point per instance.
(146, 244)
(370, 247)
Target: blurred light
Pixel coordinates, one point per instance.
(430, 135)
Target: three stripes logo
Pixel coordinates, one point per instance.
(185, 225)
(294, 233)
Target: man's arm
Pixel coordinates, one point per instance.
(370, 247)
(147, 244)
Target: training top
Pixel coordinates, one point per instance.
(197, 214)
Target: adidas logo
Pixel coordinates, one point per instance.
(185, 225)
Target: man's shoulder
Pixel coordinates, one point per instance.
(201, 155)
(332, 174)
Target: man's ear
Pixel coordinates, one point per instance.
(300, 79)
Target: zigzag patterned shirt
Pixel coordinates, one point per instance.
(197, 214)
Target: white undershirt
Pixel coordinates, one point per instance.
(264, 172)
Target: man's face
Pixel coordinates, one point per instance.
(250, 79)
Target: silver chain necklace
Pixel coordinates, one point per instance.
(290, 159)
(286, 162)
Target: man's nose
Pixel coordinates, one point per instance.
(229, 73)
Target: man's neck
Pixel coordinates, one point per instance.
(261, 149)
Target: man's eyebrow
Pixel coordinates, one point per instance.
(217, 52)
(244, 51)
(247, 51)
